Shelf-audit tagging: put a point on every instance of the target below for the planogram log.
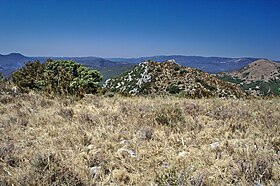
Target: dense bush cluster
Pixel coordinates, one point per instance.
(57, 78)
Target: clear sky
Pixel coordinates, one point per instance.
(133, 28)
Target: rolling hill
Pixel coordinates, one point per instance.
(258, 70)
(261, 77)
(168, 77)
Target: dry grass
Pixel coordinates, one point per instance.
(138, 141)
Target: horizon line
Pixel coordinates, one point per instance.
(160, 55)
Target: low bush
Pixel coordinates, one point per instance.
(29, 76)
(169, 116)
(173, 89)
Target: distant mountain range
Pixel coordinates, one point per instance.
(207, 64)
(11, 62)
(110, 67)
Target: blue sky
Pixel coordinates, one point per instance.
(133, 28)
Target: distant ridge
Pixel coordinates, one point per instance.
(207, 64)
(111, 67)
(12, 56)
(11, 62)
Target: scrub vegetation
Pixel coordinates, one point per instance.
(116, 140)
(57, 77)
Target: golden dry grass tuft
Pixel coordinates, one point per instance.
(138, 141)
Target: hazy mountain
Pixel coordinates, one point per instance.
(87, 61)
(11, 62)
(207, 64)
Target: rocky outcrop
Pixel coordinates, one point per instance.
(168, 77)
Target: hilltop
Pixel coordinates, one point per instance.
(169, 77)
(264, 70)
(261, 77)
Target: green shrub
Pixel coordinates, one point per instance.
(183, 71)
(68, 77)
(174, 177)
(177, 67)
(173, 89)
(169, 178)
(57, 78)
(29, 76)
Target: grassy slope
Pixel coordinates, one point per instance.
(180, 141)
